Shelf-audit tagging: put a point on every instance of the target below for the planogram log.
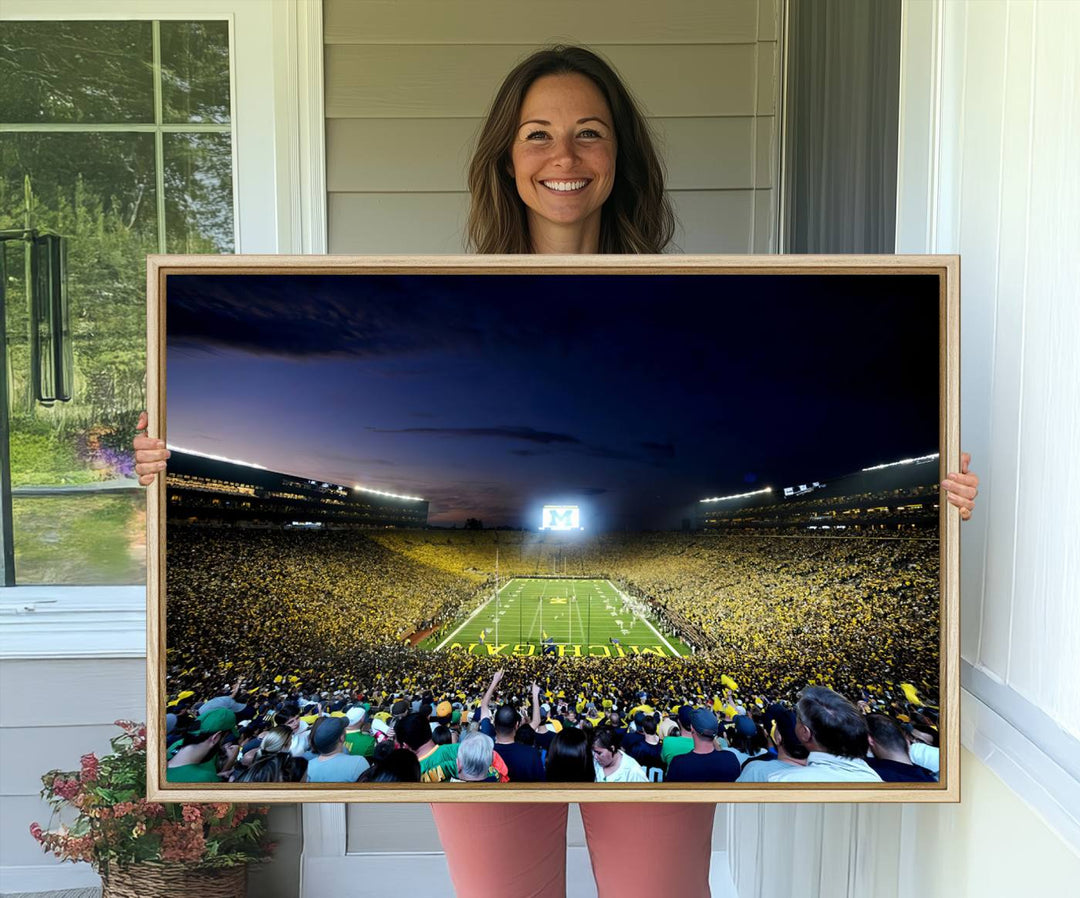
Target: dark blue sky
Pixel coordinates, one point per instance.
(490, 395)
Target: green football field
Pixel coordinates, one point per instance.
(576, 618)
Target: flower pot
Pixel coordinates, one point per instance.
(174, 881)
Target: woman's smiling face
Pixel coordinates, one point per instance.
(563, 155)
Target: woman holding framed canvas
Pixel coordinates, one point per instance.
(565, 164)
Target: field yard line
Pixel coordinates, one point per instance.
(471, 616)
(647, 623)
(581, 623)
(532, 625)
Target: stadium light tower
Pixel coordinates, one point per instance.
(561, 517)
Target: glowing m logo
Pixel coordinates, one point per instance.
(560, 518)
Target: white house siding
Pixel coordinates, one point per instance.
(408, 84)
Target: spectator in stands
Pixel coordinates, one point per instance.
(704, 764)
(438, 763)
(357, 742)
(395, 765)
(569, 758)
(787, 750)
(835, 735)
(226, 700)
(745, 741)
(674, 745)
(272, 762)
(475, 760)
(632, 734)
(548, 728)
(926, 756)
(332, 764)
(441, 735)
(891, 760)
(525, 735)
(646, 751)
(523, 762)
(204, 755)
(612, 764)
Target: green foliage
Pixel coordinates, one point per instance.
(106, 272)
(84, 539)
(41, 458)
(99, 190)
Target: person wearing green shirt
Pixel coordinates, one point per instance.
(358, 742)
(438, 763)
(672, 746)
(196, 759)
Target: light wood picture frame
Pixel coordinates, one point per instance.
(888, 279)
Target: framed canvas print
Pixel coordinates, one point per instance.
(553, 529)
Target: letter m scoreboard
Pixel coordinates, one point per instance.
(561, 517)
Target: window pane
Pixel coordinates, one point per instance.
(198, 193)
(82, 539)
(76, 72)
(98, 191)
(195, 71)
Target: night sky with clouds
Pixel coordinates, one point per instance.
(489, 395)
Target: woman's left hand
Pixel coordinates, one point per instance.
(961, 488)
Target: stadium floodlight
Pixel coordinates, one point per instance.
(905, 461)
(767, 489)
(561, 517)
(233, 461)
(367, 489)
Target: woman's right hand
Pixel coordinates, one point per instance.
(150, 454)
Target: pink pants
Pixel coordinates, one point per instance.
(494, 850)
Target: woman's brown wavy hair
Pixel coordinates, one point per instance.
(637, 216)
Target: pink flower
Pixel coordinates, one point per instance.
(36, 832)
(181, 842)
(192, 814)
(65, 788)
(90, 767)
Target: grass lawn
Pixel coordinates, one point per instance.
(80, 539)
(581, 618)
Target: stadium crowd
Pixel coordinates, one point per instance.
(319, 625)
(346, 737)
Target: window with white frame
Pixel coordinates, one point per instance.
(118, 137)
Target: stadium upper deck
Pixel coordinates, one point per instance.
(210, 490)
(900, 496)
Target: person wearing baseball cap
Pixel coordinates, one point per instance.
(746, 740)
(332, 764)
(202, 757)
(357, 742)
(704, 764)
(787, 750)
